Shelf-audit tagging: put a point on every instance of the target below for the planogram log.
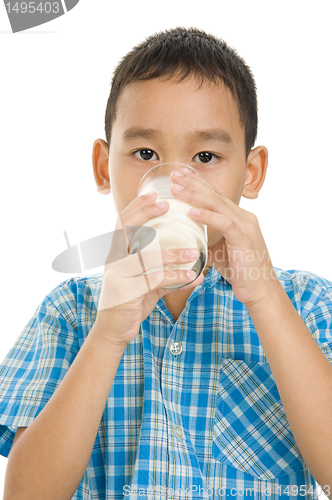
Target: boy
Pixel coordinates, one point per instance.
(119, 387)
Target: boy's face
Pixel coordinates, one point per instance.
(175, 122)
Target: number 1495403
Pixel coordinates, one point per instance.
(33, 7)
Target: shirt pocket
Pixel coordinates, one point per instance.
(251, 431)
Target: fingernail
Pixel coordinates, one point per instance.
(177, 174)
(186, 170)
(150, 194)
(195, 211)
(178, 187)
(191, 274)
(193, 254)
(161, 204)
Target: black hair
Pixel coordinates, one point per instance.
(179, 53)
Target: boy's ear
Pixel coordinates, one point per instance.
(100, 166)
(256, 170)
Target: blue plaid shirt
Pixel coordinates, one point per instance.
(194, 411)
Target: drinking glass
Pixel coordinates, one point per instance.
(175, 229)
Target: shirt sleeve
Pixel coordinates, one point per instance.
(37, 362)
(317, 311)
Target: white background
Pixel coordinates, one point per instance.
(54, 85)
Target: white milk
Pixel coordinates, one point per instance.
(175, 229)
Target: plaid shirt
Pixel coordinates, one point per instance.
(194, 411)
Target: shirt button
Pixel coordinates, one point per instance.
(178, 432)
(176, 348)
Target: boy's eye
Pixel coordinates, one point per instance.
(204, 157)
(146, 154)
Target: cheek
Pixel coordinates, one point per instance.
(124, 190)
(122, 196)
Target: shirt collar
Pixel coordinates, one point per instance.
(210, 280)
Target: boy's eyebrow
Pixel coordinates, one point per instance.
(140, 133)
(218, 135)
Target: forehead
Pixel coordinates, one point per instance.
(175, 107)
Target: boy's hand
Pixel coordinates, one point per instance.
(127, 295)
(240, 255)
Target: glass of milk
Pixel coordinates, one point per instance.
(175, 229)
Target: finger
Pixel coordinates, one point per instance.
(213, 197)
(224, 224)
(163, 278)
(197, 281)
(138, 202)
(127, 289)
(129, 221)
(141, 215)
(146, 260)
(199, 192)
